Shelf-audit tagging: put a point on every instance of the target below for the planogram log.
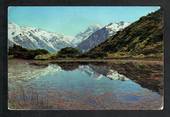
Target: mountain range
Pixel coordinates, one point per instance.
(35, 38)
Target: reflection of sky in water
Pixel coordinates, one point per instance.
(85, 80)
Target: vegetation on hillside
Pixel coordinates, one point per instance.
(143, 38)
(68, 52)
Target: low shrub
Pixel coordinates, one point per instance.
(20, 52)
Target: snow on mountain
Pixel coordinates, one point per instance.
(85, 34)
(34, 38)
(101, 35)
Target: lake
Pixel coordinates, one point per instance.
(85, 86)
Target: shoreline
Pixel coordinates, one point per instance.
(95, 60)
(87, 61)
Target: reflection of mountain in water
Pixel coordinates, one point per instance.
(51, 69)
(93, 74)
(114, 75)
(68, 66)
(147, 75)
(93, 71)
(108, 72)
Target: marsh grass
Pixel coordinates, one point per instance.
(28, 99)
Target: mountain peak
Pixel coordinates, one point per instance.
(85, 34)
(95, 26)
(117, 25)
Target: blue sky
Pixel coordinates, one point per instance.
(72, 20)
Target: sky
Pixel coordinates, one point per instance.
(72, 20)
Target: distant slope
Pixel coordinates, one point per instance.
(143, 37)
(101, 35)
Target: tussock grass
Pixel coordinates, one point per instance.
(28, 99)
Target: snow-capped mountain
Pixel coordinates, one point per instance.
(101, 35)
(34, 38)
(85, 34)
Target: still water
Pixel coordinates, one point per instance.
(80, 87)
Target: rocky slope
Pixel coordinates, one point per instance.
(101, 35)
